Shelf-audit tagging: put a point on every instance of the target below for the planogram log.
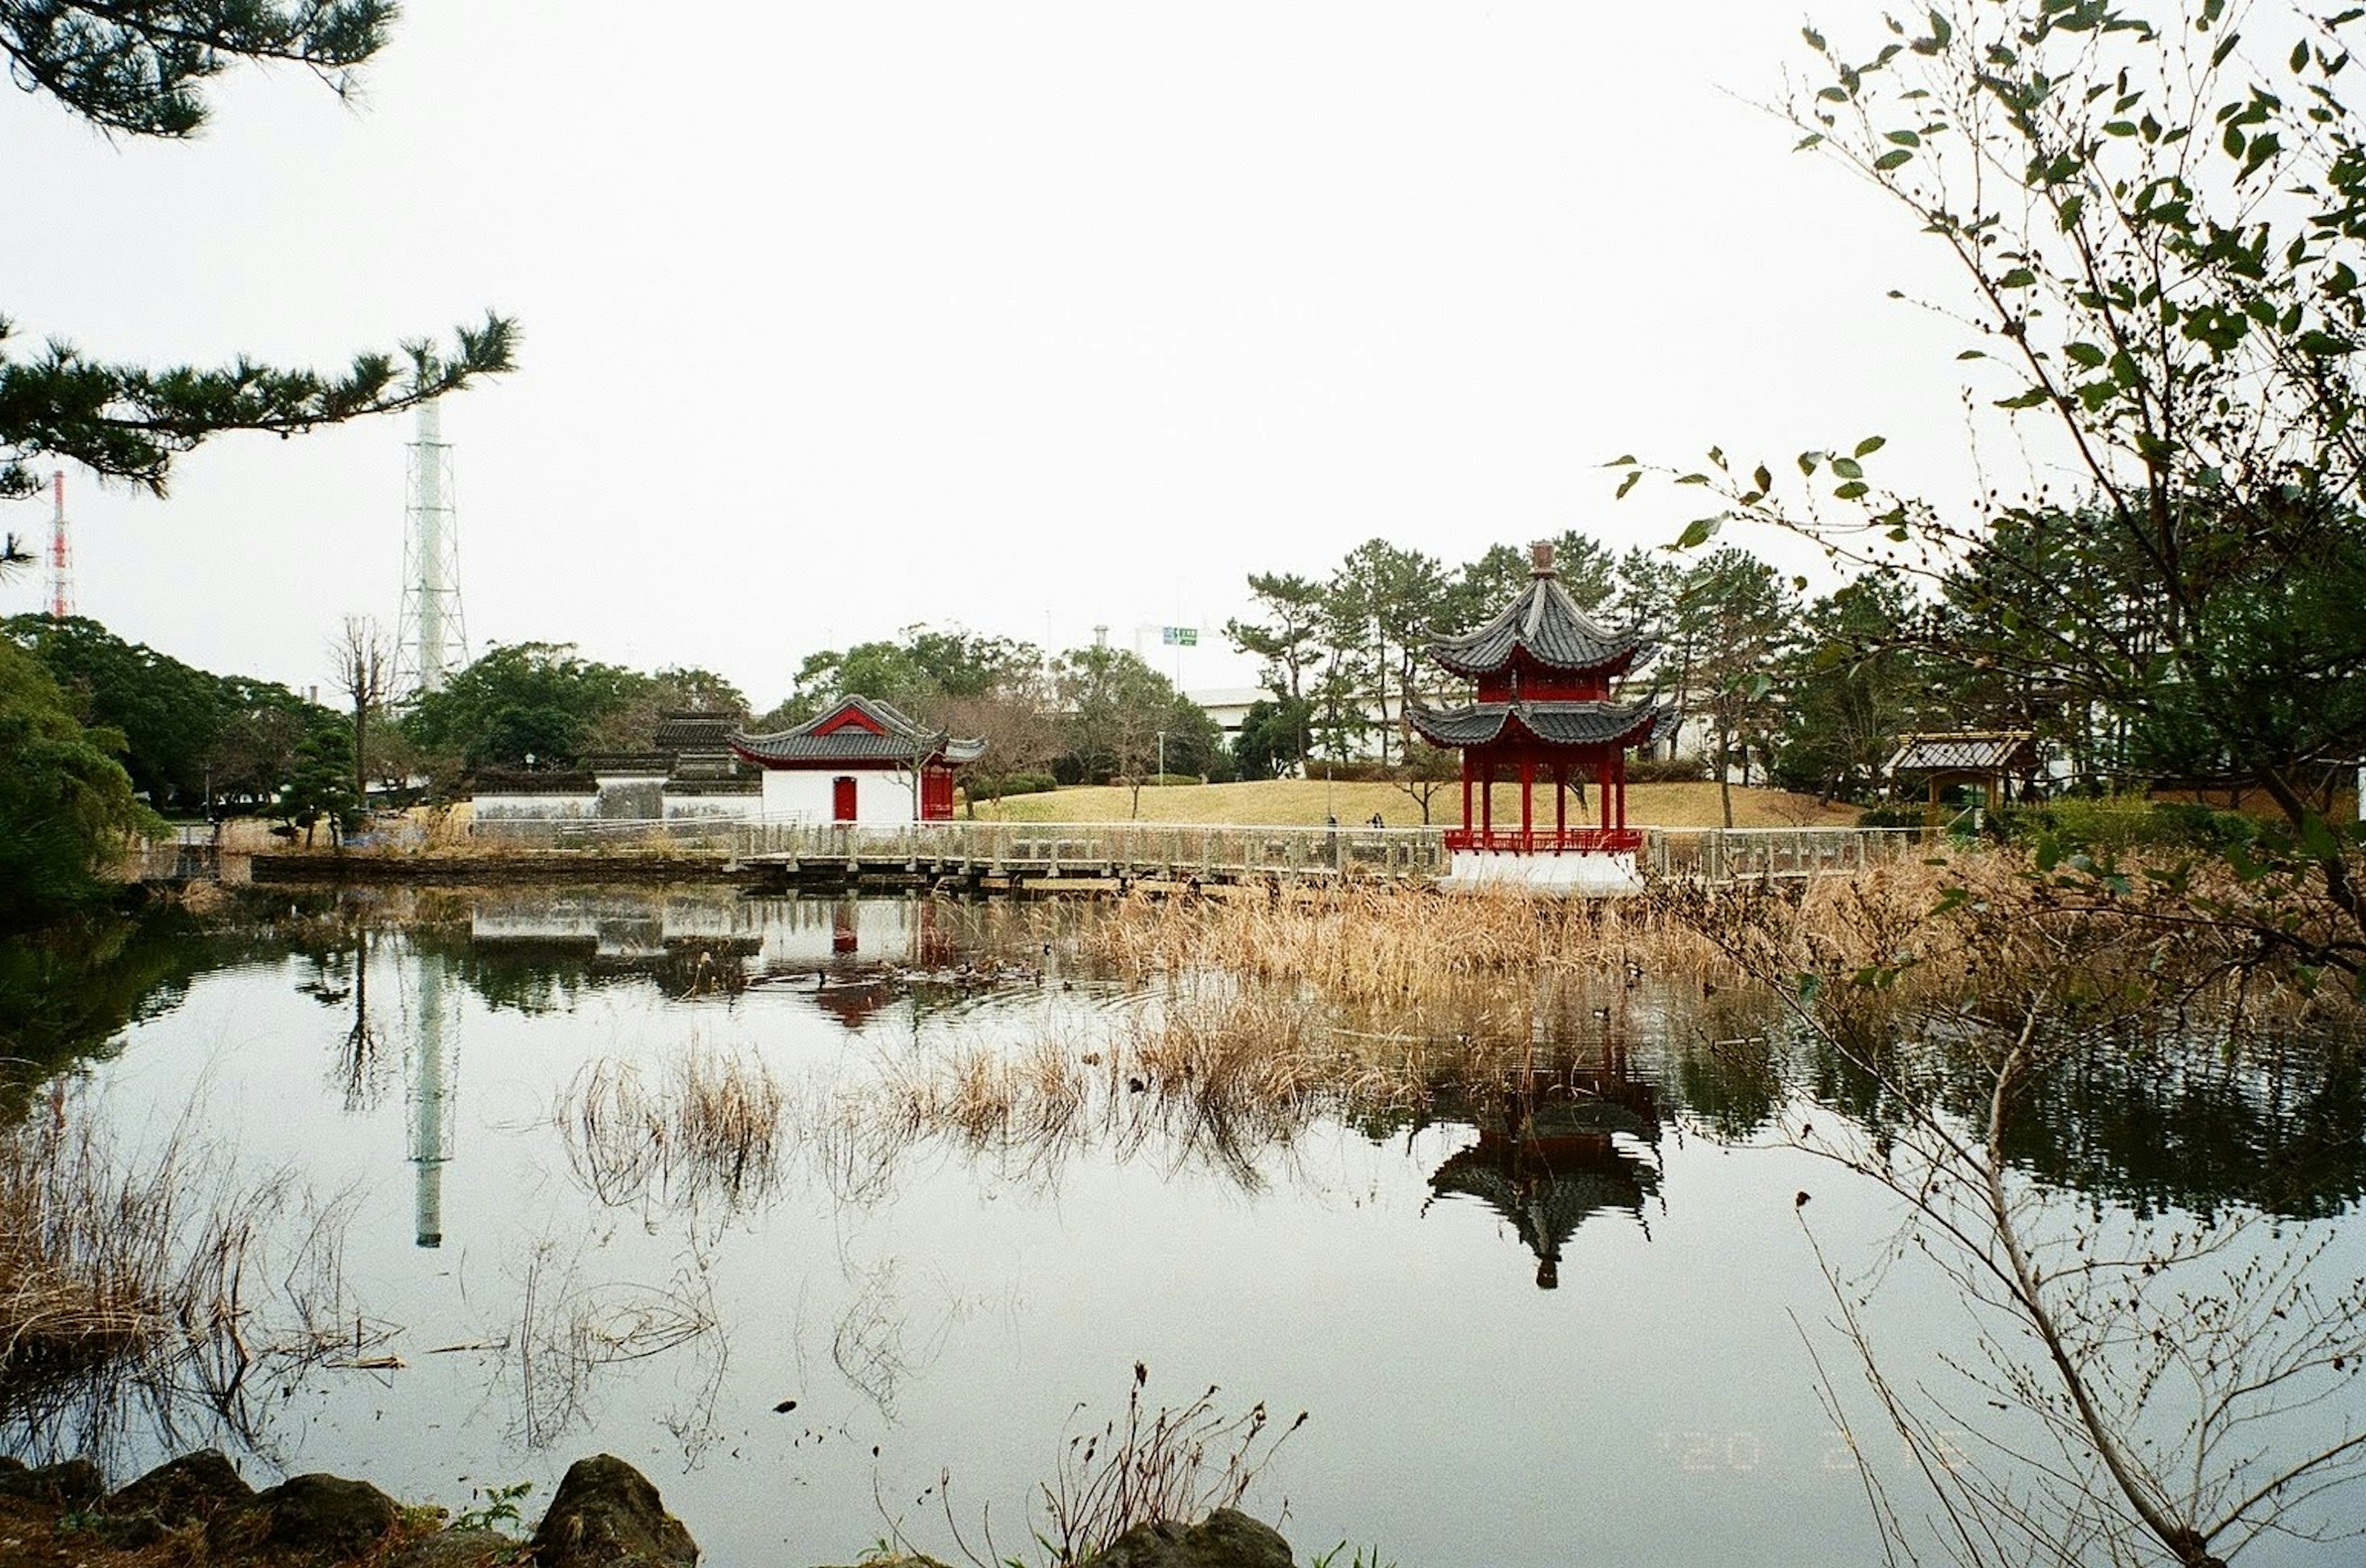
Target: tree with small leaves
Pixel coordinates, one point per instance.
(2157, 222)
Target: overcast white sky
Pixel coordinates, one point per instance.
(1024, 317)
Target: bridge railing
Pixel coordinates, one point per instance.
(1141, 848)
(1736, 855)
(713, 833)
(1184, 849)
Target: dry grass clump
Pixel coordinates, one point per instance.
(147, 1285)
(1380, 943)
(1897, 934)
(84, 1277)
(1147, 1466)
(710, 1124)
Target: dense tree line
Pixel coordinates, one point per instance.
(1344, 653)
(188, 737)
(1087, 716)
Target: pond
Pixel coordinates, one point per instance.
(1573, 1330)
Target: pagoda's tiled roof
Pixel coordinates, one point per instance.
(1545, 623)
(1558, 724)
(898, 738)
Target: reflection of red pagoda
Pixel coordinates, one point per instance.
(1556, 1148)
(1543, 715)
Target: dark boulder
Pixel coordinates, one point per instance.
(185, 1491)
(1225, 1538)
(606, 1514)
(306, 1519)
(70, 1483)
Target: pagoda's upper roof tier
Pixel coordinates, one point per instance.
(857, 729)
(1555, 724)
(1544, 627)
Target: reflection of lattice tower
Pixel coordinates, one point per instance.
(431, 1087)
(433, 639)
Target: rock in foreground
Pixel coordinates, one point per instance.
(606, 1514)
(1225, 1538)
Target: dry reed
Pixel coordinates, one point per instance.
(710, 1126)
(1145, 1467)
(146, 1285)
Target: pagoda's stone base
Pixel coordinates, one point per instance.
(1582, 873)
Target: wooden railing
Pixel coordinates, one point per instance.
(1547, 841)
(1736, 855)
(1125, 848)
(1226, 852)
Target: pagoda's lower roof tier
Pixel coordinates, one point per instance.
(1551, 723)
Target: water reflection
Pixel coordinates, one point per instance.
(428, 1107)
(1557, 1145)
(852, 1116)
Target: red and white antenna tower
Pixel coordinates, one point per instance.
(61, 573)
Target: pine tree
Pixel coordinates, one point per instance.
(140, 70)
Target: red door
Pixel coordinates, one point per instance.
(841, 800)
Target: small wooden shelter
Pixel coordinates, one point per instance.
(1993, 759)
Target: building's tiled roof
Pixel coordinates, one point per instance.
(691, 731)
(1545, 625)
(1559, 724)
(899, 738)
(1969, 752)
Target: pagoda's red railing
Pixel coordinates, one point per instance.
(1546, 841)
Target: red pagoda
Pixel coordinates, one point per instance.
(1542, 714)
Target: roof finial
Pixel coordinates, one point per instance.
(1540, 560)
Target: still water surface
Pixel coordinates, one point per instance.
(1582, 1345)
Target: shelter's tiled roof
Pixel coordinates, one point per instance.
(1547, 625)
(897, 737)
(1971, 751)
(1559, 724)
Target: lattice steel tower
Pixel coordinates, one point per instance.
(62, 603)
(433, 639)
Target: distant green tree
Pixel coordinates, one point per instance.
(1646, 586)
(1854, 681)
(191, 736)
(537, 699)
(1289, 639)
(927, 672)
(1482, 587)
(959, 664)
(66, 805)
(884, 670)
(1116, 707)
(1733, 608)
(632, 724)
(319, 786)
(1380, 605)
(166, 710)
(1269, 744)
(253, 753)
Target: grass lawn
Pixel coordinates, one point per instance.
(1286, 803)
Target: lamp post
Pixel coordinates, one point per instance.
(1162, 756)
